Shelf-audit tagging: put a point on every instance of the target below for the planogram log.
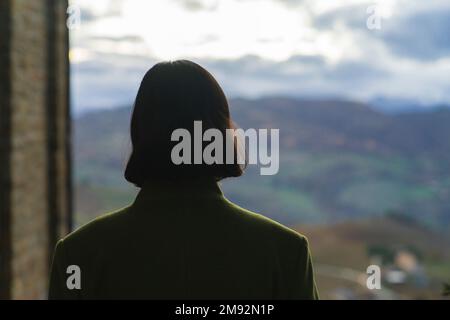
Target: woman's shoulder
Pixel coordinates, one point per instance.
(99, 229)
(259, 225)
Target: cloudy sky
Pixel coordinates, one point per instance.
(355, 49)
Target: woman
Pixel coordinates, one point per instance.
(181, 238)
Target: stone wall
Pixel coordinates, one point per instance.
(36, 204)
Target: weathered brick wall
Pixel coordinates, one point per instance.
(39, 178)
(29, 153)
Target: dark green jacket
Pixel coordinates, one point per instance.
(184, 241)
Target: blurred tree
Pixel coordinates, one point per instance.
(446, 290)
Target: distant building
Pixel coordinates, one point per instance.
(395, 276)
(409, 263)
(406, 261)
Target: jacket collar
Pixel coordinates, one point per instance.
(197, 188)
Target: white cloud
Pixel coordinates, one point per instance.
(255, 47)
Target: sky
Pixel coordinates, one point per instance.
(354, 49)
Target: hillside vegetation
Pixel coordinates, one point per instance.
(338, 160)
(365, 187)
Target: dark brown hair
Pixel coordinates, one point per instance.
(173, 95)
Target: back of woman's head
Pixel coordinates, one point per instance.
(173, 95)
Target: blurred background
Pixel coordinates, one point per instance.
(359, 90)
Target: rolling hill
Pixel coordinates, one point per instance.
(339, 160)
(342, 252)
(364, 186)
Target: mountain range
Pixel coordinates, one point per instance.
(339, 160)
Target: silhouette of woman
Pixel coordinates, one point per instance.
(180, 238)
